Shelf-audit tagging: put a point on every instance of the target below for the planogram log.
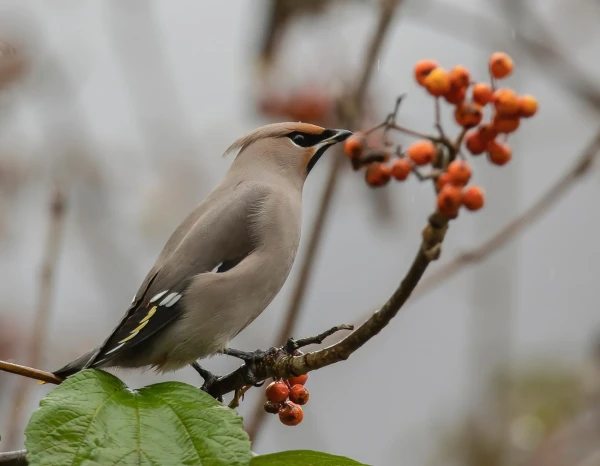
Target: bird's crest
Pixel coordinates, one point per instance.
(275, 130)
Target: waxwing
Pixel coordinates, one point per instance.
(227, 260)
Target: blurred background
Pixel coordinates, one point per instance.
(113, 118)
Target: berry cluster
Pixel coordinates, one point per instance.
(284, 397)
(449, 169)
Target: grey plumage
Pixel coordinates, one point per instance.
(226, 261)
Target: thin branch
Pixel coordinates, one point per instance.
(350, 113)
(42, 315)
(13, 458)
(30, 372)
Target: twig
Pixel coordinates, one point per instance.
(293, 345)
(30, 372)
(13, 458)
(350, 112)
(42, 315)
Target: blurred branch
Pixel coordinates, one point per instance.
(42, 315)
(350, 110)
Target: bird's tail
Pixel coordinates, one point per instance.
(75, 366)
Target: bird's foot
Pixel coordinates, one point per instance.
(209, 378)
(246, 356)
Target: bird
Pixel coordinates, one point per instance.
(227, 260)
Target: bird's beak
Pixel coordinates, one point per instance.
(339, 136)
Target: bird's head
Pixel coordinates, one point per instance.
(292, 148)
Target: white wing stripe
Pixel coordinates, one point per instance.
(158, 296)
(167, 299)
(173, 300)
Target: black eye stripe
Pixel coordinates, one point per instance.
(307, 139)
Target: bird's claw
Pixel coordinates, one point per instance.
(246, 356)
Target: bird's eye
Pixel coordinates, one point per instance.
(298, 139)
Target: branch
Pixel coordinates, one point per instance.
(279, 363)
(350, 112)
(42, 315)
(30, 372)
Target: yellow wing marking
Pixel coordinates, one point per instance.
(134, 332)
(150, 314)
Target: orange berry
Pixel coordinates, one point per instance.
(421, 152)
(290, 414)
(506, 102)
(528, 106)
(401, 168)
(460, 77)
(355, 145)
(442, 181)
(448, 200)
(487, 132)
(506, 124)
(473, 198)
(498, 153)
(378, 174)
(456, 95)
(299, 394)
(501, 65)
(271, 408)
(437, 82)
(277, 392)
(422, 70)
(298, 380)
(482, 93)
(459, 172)
(475, 143)
(468, 114)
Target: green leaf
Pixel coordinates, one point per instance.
(303, 458)
(93, 418)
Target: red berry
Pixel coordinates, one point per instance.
(449, 200)
(459, 172)
(421, 152)
(501, 65)
(482, 93)
(298, 380)
(422, 70)
(528, 106)
(442, 181)
(473, 198)
(401, 168)
(468, 114)
(290, 414)
(277, 392)
(498, 153)
(475, 143)
(460, 77)
(271, 408)
(355, 145)
(378, 174)
(299, 394)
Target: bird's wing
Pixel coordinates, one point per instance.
(218, 241)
